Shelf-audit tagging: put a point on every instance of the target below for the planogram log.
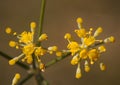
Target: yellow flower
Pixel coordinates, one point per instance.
(81, 32)
(28, 49)
(83, 54)
(26, 37)
(8, 30)
(78, 72)
(12, 43)
(43, 37)
(33, 26)
(40, 51)
(79, 20)
(58, 53)
(74, 47)
(67, 36)
(88, 49)
(16, 79)
(98, 31)
(75, 60)
(12, 62)
(87, 67)
(89, 41)
(93, 54)
(101, 49)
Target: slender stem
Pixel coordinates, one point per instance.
(42, 11)
(25, 79)
(57, 60)
(18, 63)
(39, 78)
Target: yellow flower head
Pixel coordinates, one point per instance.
(88, 49)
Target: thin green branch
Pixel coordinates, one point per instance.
(42, 11)
(39, 78)
(57, 60)
(25, 79)
(18, 63)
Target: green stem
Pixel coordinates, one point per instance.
(42, 11)
(57, 60)
(39, 78)
(18, 63)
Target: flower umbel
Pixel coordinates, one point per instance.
(30, 49)
(88, 49)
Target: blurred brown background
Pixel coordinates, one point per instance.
(60, 17)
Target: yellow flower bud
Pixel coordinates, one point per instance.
(102, 49)
(8, 30)
(112, 39)
(43, 37)
(78, 73)
(102, 67)
(16, 78)
(12, 43)
(87, 68)
(79, 20)
(12, 62)
(58, 53)
(83, 54)
(29, 60)
(33, 25)
(98, 31)
(109, 39)
(67, 36)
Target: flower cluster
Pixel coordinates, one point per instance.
(88, 49)
(30, 49)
